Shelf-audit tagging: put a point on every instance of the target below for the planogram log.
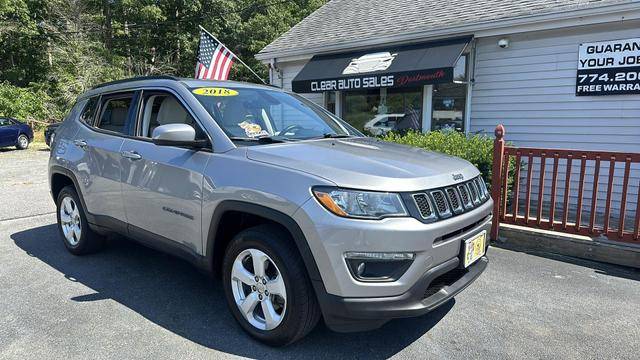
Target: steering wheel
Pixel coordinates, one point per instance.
(290, 128)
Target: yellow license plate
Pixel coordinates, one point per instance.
(474, 248)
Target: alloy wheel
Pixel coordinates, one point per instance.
(23, 141)
(70, 220)
(258, 289)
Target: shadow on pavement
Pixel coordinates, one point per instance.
(176, 296)
(623, 272)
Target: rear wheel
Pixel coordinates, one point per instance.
(23, 142)
(267, 287)
(78, 238)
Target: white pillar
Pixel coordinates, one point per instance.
(339, 104)
(427, 103)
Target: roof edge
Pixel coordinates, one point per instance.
(612, 11)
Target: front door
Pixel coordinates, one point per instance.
(162, 185)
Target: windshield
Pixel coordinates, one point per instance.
(252, 114)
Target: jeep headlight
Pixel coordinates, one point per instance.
(360, 204)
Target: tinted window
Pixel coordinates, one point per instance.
(114, 114)
(162, 109)
(88, 113)
(5, 122)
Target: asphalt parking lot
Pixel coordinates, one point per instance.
(132, 302)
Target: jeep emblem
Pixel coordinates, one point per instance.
(457, 177)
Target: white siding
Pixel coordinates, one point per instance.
(530, 88)
(289, 70)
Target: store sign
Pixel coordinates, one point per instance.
(609, 68)
(371, 81)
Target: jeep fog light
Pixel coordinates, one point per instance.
(378, 266)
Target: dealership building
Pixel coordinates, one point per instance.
(557, 74)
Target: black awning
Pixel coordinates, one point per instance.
(392, 67)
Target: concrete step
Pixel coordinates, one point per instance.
(522, 238)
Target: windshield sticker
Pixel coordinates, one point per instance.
(253, 130)
(215, 91)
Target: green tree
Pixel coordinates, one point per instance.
(60, 48)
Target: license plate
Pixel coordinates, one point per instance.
(474, 248)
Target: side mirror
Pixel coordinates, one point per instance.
(177, 135)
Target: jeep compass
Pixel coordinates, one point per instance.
(300, 215)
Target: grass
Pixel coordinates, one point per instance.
(38, 141)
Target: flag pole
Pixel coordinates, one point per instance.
(234, 55)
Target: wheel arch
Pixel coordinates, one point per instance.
(216, 241)
(61, 177)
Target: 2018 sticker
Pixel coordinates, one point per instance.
(215, 91)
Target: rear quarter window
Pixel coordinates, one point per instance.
(88, 113)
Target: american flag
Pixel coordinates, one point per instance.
(214, 59)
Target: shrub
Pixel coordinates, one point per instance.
(27, 104)
(477, 149)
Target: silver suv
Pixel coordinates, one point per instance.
(300, 215)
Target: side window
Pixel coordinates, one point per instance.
(88, 113)
(114, 113)
(162, 109)
(5, 122)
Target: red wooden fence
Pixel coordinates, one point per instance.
(507, 197)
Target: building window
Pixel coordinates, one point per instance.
(379, 111)
(449, 102)
(330, 101)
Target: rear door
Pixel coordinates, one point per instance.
(162, 185)
(108, 120)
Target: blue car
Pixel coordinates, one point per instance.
(15, 133)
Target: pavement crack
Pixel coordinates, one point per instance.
(26, 216)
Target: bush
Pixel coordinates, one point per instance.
(27, 104)
(477, 149)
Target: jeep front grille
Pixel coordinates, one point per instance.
(464, 196)
(473, 190)
(424, 206)
(441, 203)
(451, 200)
(454, 200)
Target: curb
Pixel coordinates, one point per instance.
(522, 238)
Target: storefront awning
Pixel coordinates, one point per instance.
(391, 67)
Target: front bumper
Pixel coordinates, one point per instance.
(351, 305)
(438, 285)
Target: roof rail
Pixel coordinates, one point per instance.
(137, 78)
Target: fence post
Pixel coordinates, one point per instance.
(496, 176)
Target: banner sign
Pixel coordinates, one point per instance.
(609, 68)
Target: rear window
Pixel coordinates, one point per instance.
(114, 114)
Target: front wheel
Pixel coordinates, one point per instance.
(23, 142)
(267, 287)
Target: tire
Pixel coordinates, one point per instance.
(23, 142)
(298, 314)
(69, 208)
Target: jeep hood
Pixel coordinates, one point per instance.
(366, 163)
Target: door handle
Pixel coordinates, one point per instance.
(131, 155)
(80, 143)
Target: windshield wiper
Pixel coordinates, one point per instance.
(335, 136)
(262, 139)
